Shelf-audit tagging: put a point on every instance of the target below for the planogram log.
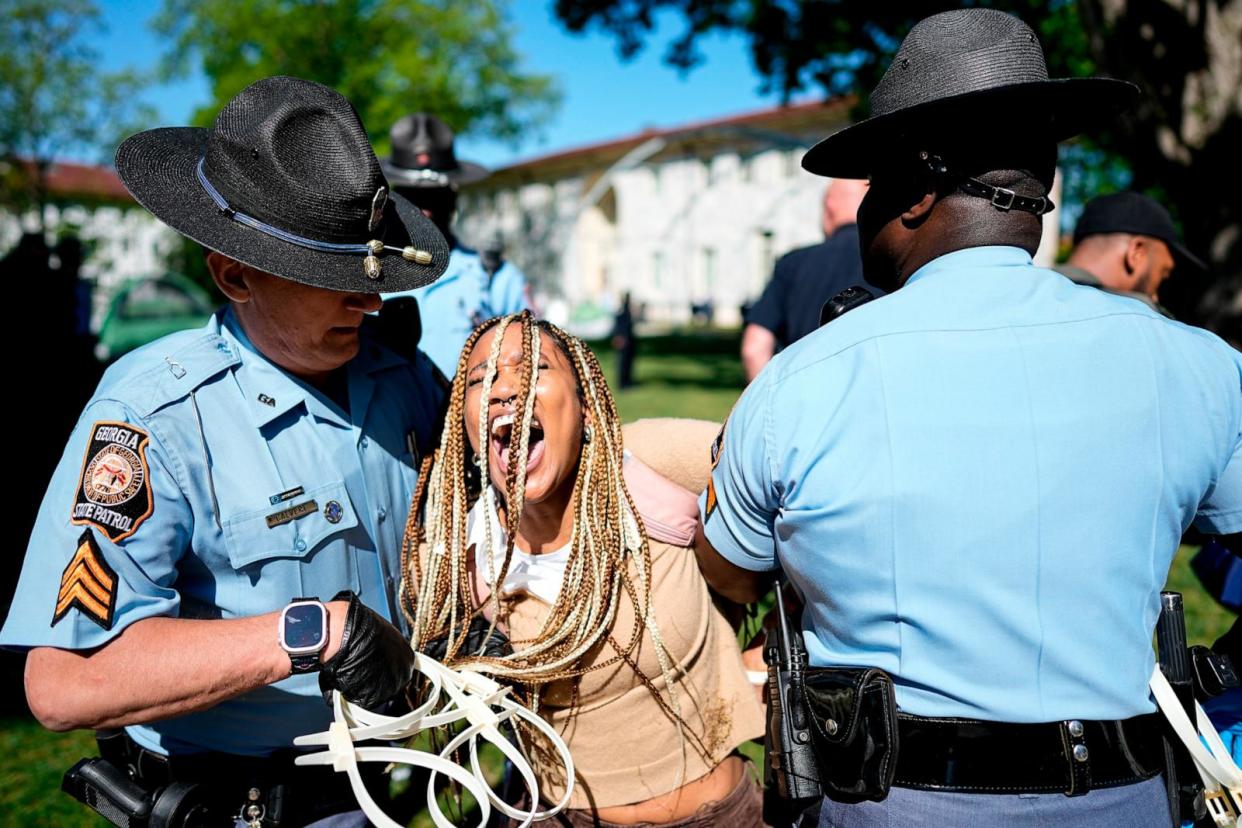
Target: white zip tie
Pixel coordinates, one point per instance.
(1222, 779)
(472, 698)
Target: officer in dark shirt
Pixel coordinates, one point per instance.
(805, 279)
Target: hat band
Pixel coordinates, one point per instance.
(370, 265)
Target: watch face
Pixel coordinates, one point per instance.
(303, 627)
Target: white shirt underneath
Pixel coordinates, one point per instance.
(538, 575)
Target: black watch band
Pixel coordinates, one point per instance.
(308, 663)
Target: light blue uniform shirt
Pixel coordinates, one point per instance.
(456, 303)
(978, 484)
(264, 436)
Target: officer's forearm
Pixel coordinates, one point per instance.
(158, 668)
(741, 585)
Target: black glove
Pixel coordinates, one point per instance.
(375, 661)
(497, 643)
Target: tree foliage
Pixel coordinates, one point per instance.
(54, 101)
(1186, 56)
(388, 57)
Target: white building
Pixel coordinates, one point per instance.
(687, 215)
(679, 216)
(122, 241)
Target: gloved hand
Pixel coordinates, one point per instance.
(375, 661)
(497, 645)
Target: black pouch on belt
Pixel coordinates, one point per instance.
(853, 713)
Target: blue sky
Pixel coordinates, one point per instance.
(603, 96)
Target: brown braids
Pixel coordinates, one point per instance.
(609, 556)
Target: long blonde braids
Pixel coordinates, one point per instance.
(609, 554)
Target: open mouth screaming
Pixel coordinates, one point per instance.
(502, 435)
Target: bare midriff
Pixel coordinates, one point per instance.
(682, 802)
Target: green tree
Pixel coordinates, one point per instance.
(388, 57)
(53, 99)
(1180, 143)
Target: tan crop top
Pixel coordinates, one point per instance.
(625, 745)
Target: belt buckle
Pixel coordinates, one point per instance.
(1221, 807)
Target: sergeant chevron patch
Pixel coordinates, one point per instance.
(88, 584)
(114, 490)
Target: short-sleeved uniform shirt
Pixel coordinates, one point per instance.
(978, 483)
(202, 481)
(803, 280)
(456, 303)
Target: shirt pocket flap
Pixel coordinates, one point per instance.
(293, 529)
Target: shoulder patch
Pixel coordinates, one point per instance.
(114, 490)
(718, 444)
(710, 506)
(88, 584)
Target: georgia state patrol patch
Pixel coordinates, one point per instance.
(88, 584)
(114, 491)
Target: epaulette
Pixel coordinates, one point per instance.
(173, 375)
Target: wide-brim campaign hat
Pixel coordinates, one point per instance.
(286, 182)
(424, 156)
(973, 71)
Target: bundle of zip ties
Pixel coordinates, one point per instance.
(474, 699)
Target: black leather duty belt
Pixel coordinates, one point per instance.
(287, 795)
(1070, 757)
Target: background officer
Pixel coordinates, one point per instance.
(1126, 243)
(804, 279)
(218, 476)
(978, 483)
(424, 168)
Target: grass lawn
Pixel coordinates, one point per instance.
(696, 375)
(689, 376)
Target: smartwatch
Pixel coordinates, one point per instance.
(304, 633)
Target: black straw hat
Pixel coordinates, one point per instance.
(423, 155)
(963, 70)
(286, 182)
(1136, 214)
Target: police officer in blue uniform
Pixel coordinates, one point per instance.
(977, 483)
(425, 169)
(224, 484)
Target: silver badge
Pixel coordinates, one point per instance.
(377, 208)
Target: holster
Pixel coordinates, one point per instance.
(853, 713)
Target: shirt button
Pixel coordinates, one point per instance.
(300, 544)
(381, 513)
(363, 443)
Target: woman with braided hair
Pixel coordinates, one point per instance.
(530, 518)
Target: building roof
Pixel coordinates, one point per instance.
(70, 182)
(67, 180)
(798, 123)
